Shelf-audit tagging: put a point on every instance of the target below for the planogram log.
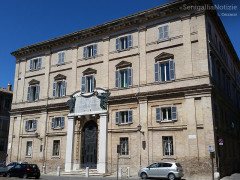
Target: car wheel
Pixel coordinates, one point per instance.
(37, 177)
(171, 177)
(144, 176)
(25, 176)
(8, 175)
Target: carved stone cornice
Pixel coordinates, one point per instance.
(59, 77)
(33, 82)
(164, 56)
(123, 64)
(89, 71)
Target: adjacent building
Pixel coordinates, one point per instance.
(164, 84)
(5, 107)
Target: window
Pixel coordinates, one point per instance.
(58, 122)
(124, 146)
(167, 145)
(163, 32)
(124, 117)
(164, 71)
(56, 147)
(33, 93)
(29, 148)
(89, 51)
(35, 64)
(124, 42)
(123, 78)
(87, 83)
(61, 57)
(31, 125)
(59, 88)
(165, 114)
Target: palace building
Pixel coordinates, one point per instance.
(164, 84)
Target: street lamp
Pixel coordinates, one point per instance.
(139, 127)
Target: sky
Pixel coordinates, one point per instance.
(25, 22)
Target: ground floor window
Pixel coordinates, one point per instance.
(124, 146)
(29, 148)
(56, 147)
(167, 145)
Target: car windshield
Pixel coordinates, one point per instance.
(33, 166)
(178, 165)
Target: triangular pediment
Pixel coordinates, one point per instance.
(59, 76)
(164, 56)
(89, 71)
(33, 81)
(123, 64)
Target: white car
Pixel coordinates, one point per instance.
(170, 170)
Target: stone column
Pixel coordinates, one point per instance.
(102, 162)
(69, 149)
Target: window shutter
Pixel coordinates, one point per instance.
(117, 117)
(26, 126)
(158, 114)
(83, 88)
(130, 117)
(161, 34)
(39, 63)
(92, 83)
(29, 93)
(129, 41)
(165, 32)
(117, 79)
(174, 113)
(37, 93)
(95, 48)
(63, 88)
(130, 77)
(53, 123)
(62, 122)
(156, 67)
(35, 124)
(31, 65)
(63, 56)
(54, 89)
(117, 44)
(172, 69)
(59, 58)
(85, 52)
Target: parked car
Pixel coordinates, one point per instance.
(3, 169)
(170, 170)
(24, 171)
(12, 164)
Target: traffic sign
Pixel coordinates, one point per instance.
(220, 141)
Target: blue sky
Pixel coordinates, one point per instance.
(25, 22)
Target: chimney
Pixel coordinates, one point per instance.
(9, 87)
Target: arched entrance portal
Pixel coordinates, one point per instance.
(89, 145)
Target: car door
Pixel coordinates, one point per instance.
(152, 170)
(166, 169)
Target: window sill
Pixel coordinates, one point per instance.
(124, 156)
(92, 57)
(169, 157)
(55, 157)
(166, 121)
(163, 40)
(31, 130)
(57, 128)
(127, 49)
(28, 156)
(124, 124)
(60, 64)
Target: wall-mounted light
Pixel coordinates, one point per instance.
(139, 127)
(38, 136)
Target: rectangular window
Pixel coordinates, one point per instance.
(61, 57)
(124, 146)
(31, 125)
(167, 145)
(35, 64)
(29, 148)
(88, 83)
(90, 51)
(56, 147)
(166, 114)
(33, 93)
(58, 122)
(59, 88)
(163, 32)
(124, 42)
(123, 78)
(124, 117)
(164, 71)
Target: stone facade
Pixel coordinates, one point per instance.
(162, 82)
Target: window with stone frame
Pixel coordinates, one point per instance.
(124, 117)
(56, 148)
(90, 51)
(163, 32)
(167, 143)
(33, 91)
(61, 57)
(124, 42)
(88, 80)
(166, 114)
(58, 122)
(123, 75)
(124, 146)
(59, 86)
(164, 68)
(30, 125)
(35, 64)
(29, 148)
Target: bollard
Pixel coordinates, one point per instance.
(87, 171)
(44, 169)
(58, 171)
(128, 172)
(120, 172)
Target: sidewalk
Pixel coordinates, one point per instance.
(235, 176)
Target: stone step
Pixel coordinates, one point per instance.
(82, 172)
